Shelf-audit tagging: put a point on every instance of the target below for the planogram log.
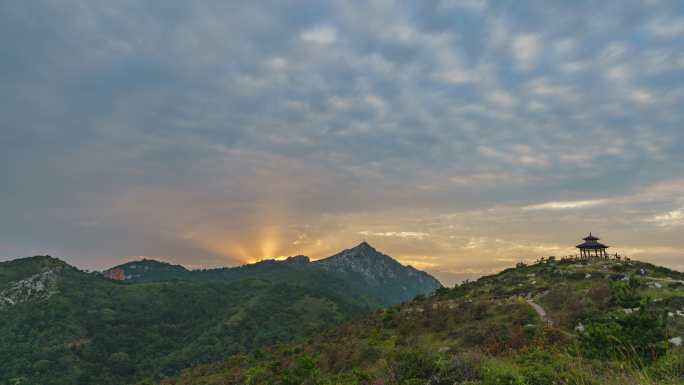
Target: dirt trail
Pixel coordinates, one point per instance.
(669, 280)
(542, 313)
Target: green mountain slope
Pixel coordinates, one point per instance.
(79, 328)
(147, 270)
(361, 272)
(379, 275)
(554, 322)
(60, 325)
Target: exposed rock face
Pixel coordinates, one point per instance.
(374, 266)
(39, 286)
(115, 274)
(393, 280)
(146, 270)
(298, 259)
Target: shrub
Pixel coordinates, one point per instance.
(480, 310)
(42, 366)
(626, 294)
(560, 296)
(460, 368)
(640, 336)
(410, 364)
(473, 335)
(671, 366)
(257, 376)
(600, 295)
(303, 372)
(501, 373)
(575, 275)
(121, 363)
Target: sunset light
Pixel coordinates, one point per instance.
(341, 192)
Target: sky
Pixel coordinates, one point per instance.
(458, 136)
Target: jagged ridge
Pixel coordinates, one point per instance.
(361, 270)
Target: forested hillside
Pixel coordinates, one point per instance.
(79, 328)
(146, 320)
(361, 272)
(598, 321)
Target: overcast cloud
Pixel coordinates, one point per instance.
(458, 136)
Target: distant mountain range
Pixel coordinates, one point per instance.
(375, 278)
(144, 320)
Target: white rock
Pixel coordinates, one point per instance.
(657, 285)
(587, 276)
(676, 341)
(36, 287)
(580, 328)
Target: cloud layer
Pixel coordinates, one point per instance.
(458, 136)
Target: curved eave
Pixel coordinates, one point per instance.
(599, 246)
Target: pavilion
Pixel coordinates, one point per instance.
(592, 248)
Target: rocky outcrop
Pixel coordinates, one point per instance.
(146, 270)
(115, 274)
(374, 266)
(392, 280)
(298, 260)
(39, 286)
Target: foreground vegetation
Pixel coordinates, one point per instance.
(607, 322)
(79, 328)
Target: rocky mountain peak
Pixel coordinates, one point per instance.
(364, 247)
(362, 250)
(29, 279)
(298, 259)
(379, 270)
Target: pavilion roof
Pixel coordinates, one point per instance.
(592, 245)
(591, 238)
